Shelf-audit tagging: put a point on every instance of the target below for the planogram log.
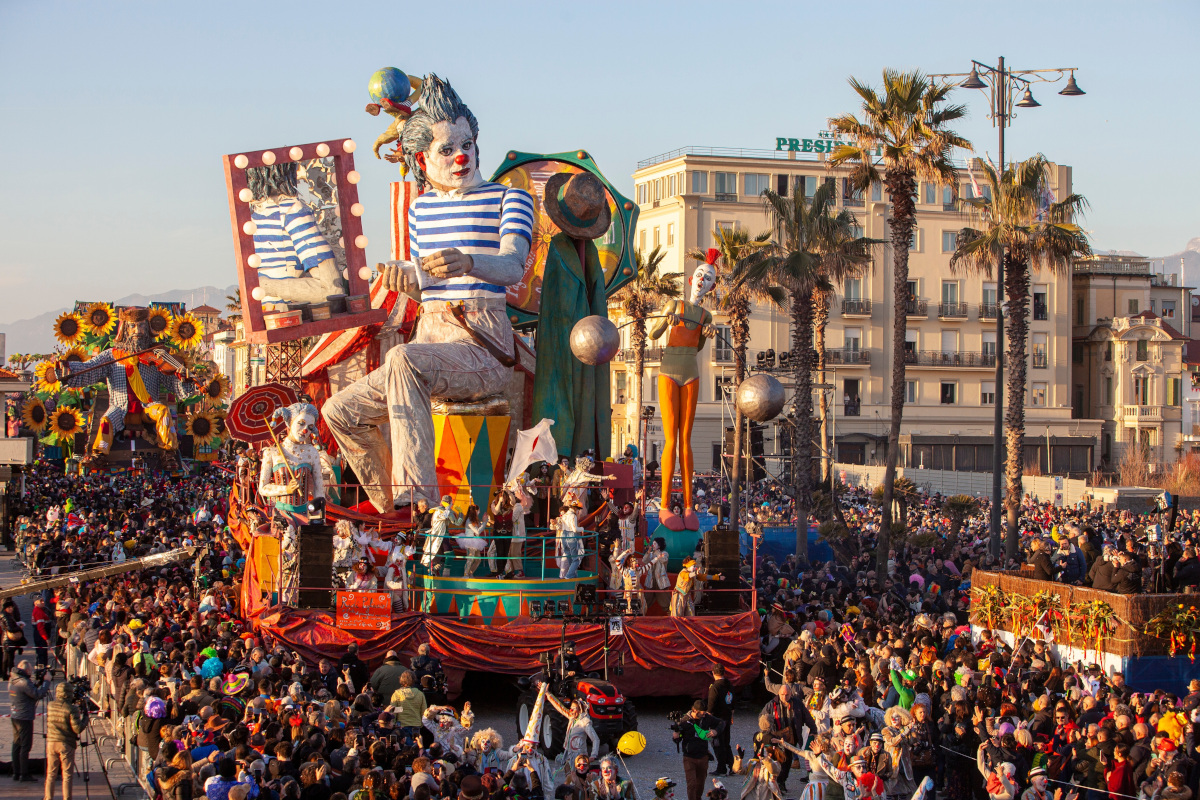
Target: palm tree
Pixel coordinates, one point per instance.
(1022, 224)
(810, 235)
(902, 139)
(639, 299)
(234, 305)
(736, 301)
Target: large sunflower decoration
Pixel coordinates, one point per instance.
(216, 389)
(65, 422)
(74, 355)
(202, 427)
(34, 414)
(186, 331)
(68, 328)
(160, 322)
(46, 381)
(99, 319)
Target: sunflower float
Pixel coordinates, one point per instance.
(47, 378)
(186, 331)
(68, 328)
(202, 427)
(216, 389)
(75, 354)
(160, 322)
(34, 415)
(99, 319)
(65, 422)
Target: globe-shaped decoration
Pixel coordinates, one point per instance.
(760, 397)
(391, 83)
(595, 340)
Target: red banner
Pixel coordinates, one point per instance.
(364, 611)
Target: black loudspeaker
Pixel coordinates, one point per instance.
(315, 543)
(721, 555)
(756, 452)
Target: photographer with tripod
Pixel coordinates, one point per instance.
(65, 721)
(24, 692)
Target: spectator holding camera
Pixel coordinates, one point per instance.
(694, 733)
(23, 695)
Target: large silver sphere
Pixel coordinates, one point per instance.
(760, 397)
(595, 340)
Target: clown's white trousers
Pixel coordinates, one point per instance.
(441, 361)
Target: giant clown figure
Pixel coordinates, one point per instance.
(469, 239)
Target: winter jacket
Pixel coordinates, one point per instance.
(64, 722)
(23, 696)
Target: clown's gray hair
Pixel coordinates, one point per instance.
(439, 103)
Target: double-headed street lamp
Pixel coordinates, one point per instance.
(1001, 85)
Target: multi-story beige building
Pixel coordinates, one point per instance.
(1131, 328)
(686, 194)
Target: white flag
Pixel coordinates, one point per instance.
(535, 444)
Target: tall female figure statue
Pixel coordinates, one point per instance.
(687, 325)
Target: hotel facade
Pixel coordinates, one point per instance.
(686, 194)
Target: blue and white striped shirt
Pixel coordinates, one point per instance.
(473, 223)
(287, 239)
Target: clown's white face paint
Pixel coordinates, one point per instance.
(301, 429)
(703, 281)
(450, 161)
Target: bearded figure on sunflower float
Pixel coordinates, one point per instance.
(140, 381)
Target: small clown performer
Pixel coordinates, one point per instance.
(395, 574)
(631, 573)
(762, 774)
(486, 752)
(347, 550)
(580, 738)
(364, 579)
(149, 383)
(575, 484)
(568, 544)
(441, 519)
(664, 789)
(448, 730)
(610, 785)
(469, 239)
(527, 754)
(683, 602)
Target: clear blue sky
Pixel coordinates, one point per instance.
(114, 115)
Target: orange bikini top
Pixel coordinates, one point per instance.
(688, 331)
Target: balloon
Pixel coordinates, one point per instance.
(595, 340)
(631, 743)
(760, 397)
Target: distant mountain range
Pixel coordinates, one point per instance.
(35, 335)
(1186, 262)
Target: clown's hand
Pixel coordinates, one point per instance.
(293, 486)
(398, 276)
(448, 263)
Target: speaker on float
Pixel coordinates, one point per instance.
(721, 555)
(315, 544)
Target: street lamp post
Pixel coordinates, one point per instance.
(1001, 85)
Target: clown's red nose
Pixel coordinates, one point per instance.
(461, 158)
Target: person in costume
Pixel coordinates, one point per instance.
(517, 502)
(610, 785)
(449, 729)
(687, 325)
(364, 579)
(148, 383)
(297, 263)
(291, 471)
(395, 576)
(474, 540)
(347, 550)
(573, 394)
(762, 773)
(658, 580)
(575, 482)
(627, 521)
(486, 752)
(631, 573)
(683, 603)
(580, 738)
(469, 239)
(528, 760)
(439, 529)
(568, 544)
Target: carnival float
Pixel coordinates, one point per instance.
(383, 496)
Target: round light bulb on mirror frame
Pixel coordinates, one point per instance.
(352, 176)
(249, 228)
(349, 145)
(365, 273)
(245, 195)
(255, 261)
(241, 162)
(258, 293)
(360, 242)
(357, 209)
(322, 150)
(296, 153)
(268, 158)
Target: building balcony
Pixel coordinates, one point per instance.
(853, 202)
(856, 308)
(952, 311)
(989, 311)
(725, 197)
(848, 357)
(629, 354)
(1142, 414)
(916, 308)
(937, 358)
(1041, 361)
